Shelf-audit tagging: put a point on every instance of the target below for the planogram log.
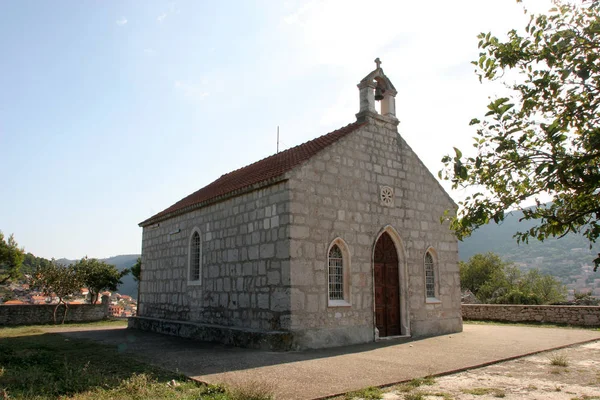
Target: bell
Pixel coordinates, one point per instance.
(378, 93)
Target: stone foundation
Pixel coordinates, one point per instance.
(254, 339)
(571, 315)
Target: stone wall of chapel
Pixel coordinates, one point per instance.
(336, 194)
(245, 258)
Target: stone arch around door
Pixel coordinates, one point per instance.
(390, 285)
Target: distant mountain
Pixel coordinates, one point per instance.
(564, 258)
(129, 286)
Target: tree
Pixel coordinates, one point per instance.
(31, 262)
(58, 279)
(97, 276)
(493, 280)
(543, 139)
(136, 270)
(480, 270)
(11, 258)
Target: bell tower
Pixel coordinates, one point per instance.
(377, 87)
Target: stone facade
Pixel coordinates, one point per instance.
(570, 315)
(336, 194)
(265, 244)
(245, 263)
(34, 314)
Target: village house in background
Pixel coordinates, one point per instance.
(120, 305)
(333, 242)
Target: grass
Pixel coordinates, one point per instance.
(559, 360)
(423, 395)
(369, 393)
(414, 396)
(484, 391)
(413, 384)
(38, 364)
(39, 329)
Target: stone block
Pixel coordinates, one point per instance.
(312, 303)
(299, 232)
(263, 301)
(273, 278)
(253, 253)
(267, 251)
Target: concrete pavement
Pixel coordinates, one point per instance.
(319, 373)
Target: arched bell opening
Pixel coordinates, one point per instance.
(377, 93)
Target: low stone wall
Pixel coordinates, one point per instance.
(34, 314)
(571, 315)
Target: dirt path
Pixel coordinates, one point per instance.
(532, 377)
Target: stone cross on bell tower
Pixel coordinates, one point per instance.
(377, 87)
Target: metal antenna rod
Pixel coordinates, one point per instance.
(277, 138)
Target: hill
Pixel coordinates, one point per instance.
(569, 258)
(129, 286)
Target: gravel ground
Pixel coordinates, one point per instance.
(533, 377)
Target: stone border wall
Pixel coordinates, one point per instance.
(571, 315)
(35, 314)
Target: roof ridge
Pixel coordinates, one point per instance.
(261, 171)
(308, 142)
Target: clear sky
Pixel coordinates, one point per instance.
(111, 111)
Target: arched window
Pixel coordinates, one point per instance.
(429, 276)
(195, 258)
(336, 273)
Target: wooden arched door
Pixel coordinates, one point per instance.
(387, 287)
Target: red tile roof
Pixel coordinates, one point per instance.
(13, 302)
(263, 171)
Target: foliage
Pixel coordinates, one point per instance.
(97, 276)
(559, 360)
(416, 382)
(136, 270)
(31, 262)
(544, 139)
(252, 390)
(493, 280)
(585, 299)
(368, 393)
(11, 258)
(415, 396)
(60, 280)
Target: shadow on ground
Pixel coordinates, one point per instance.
(212, 358)
(50, 365)
(318, 373)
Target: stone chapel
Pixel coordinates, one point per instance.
(333, 242)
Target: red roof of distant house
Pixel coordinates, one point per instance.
(13, 302)
(39, 298)
(261, 171)
(76, 302)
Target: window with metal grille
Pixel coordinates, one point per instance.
(336, 274)
(195, 257)
(429, 275)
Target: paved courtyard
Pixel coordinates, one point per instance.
(320, 373)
